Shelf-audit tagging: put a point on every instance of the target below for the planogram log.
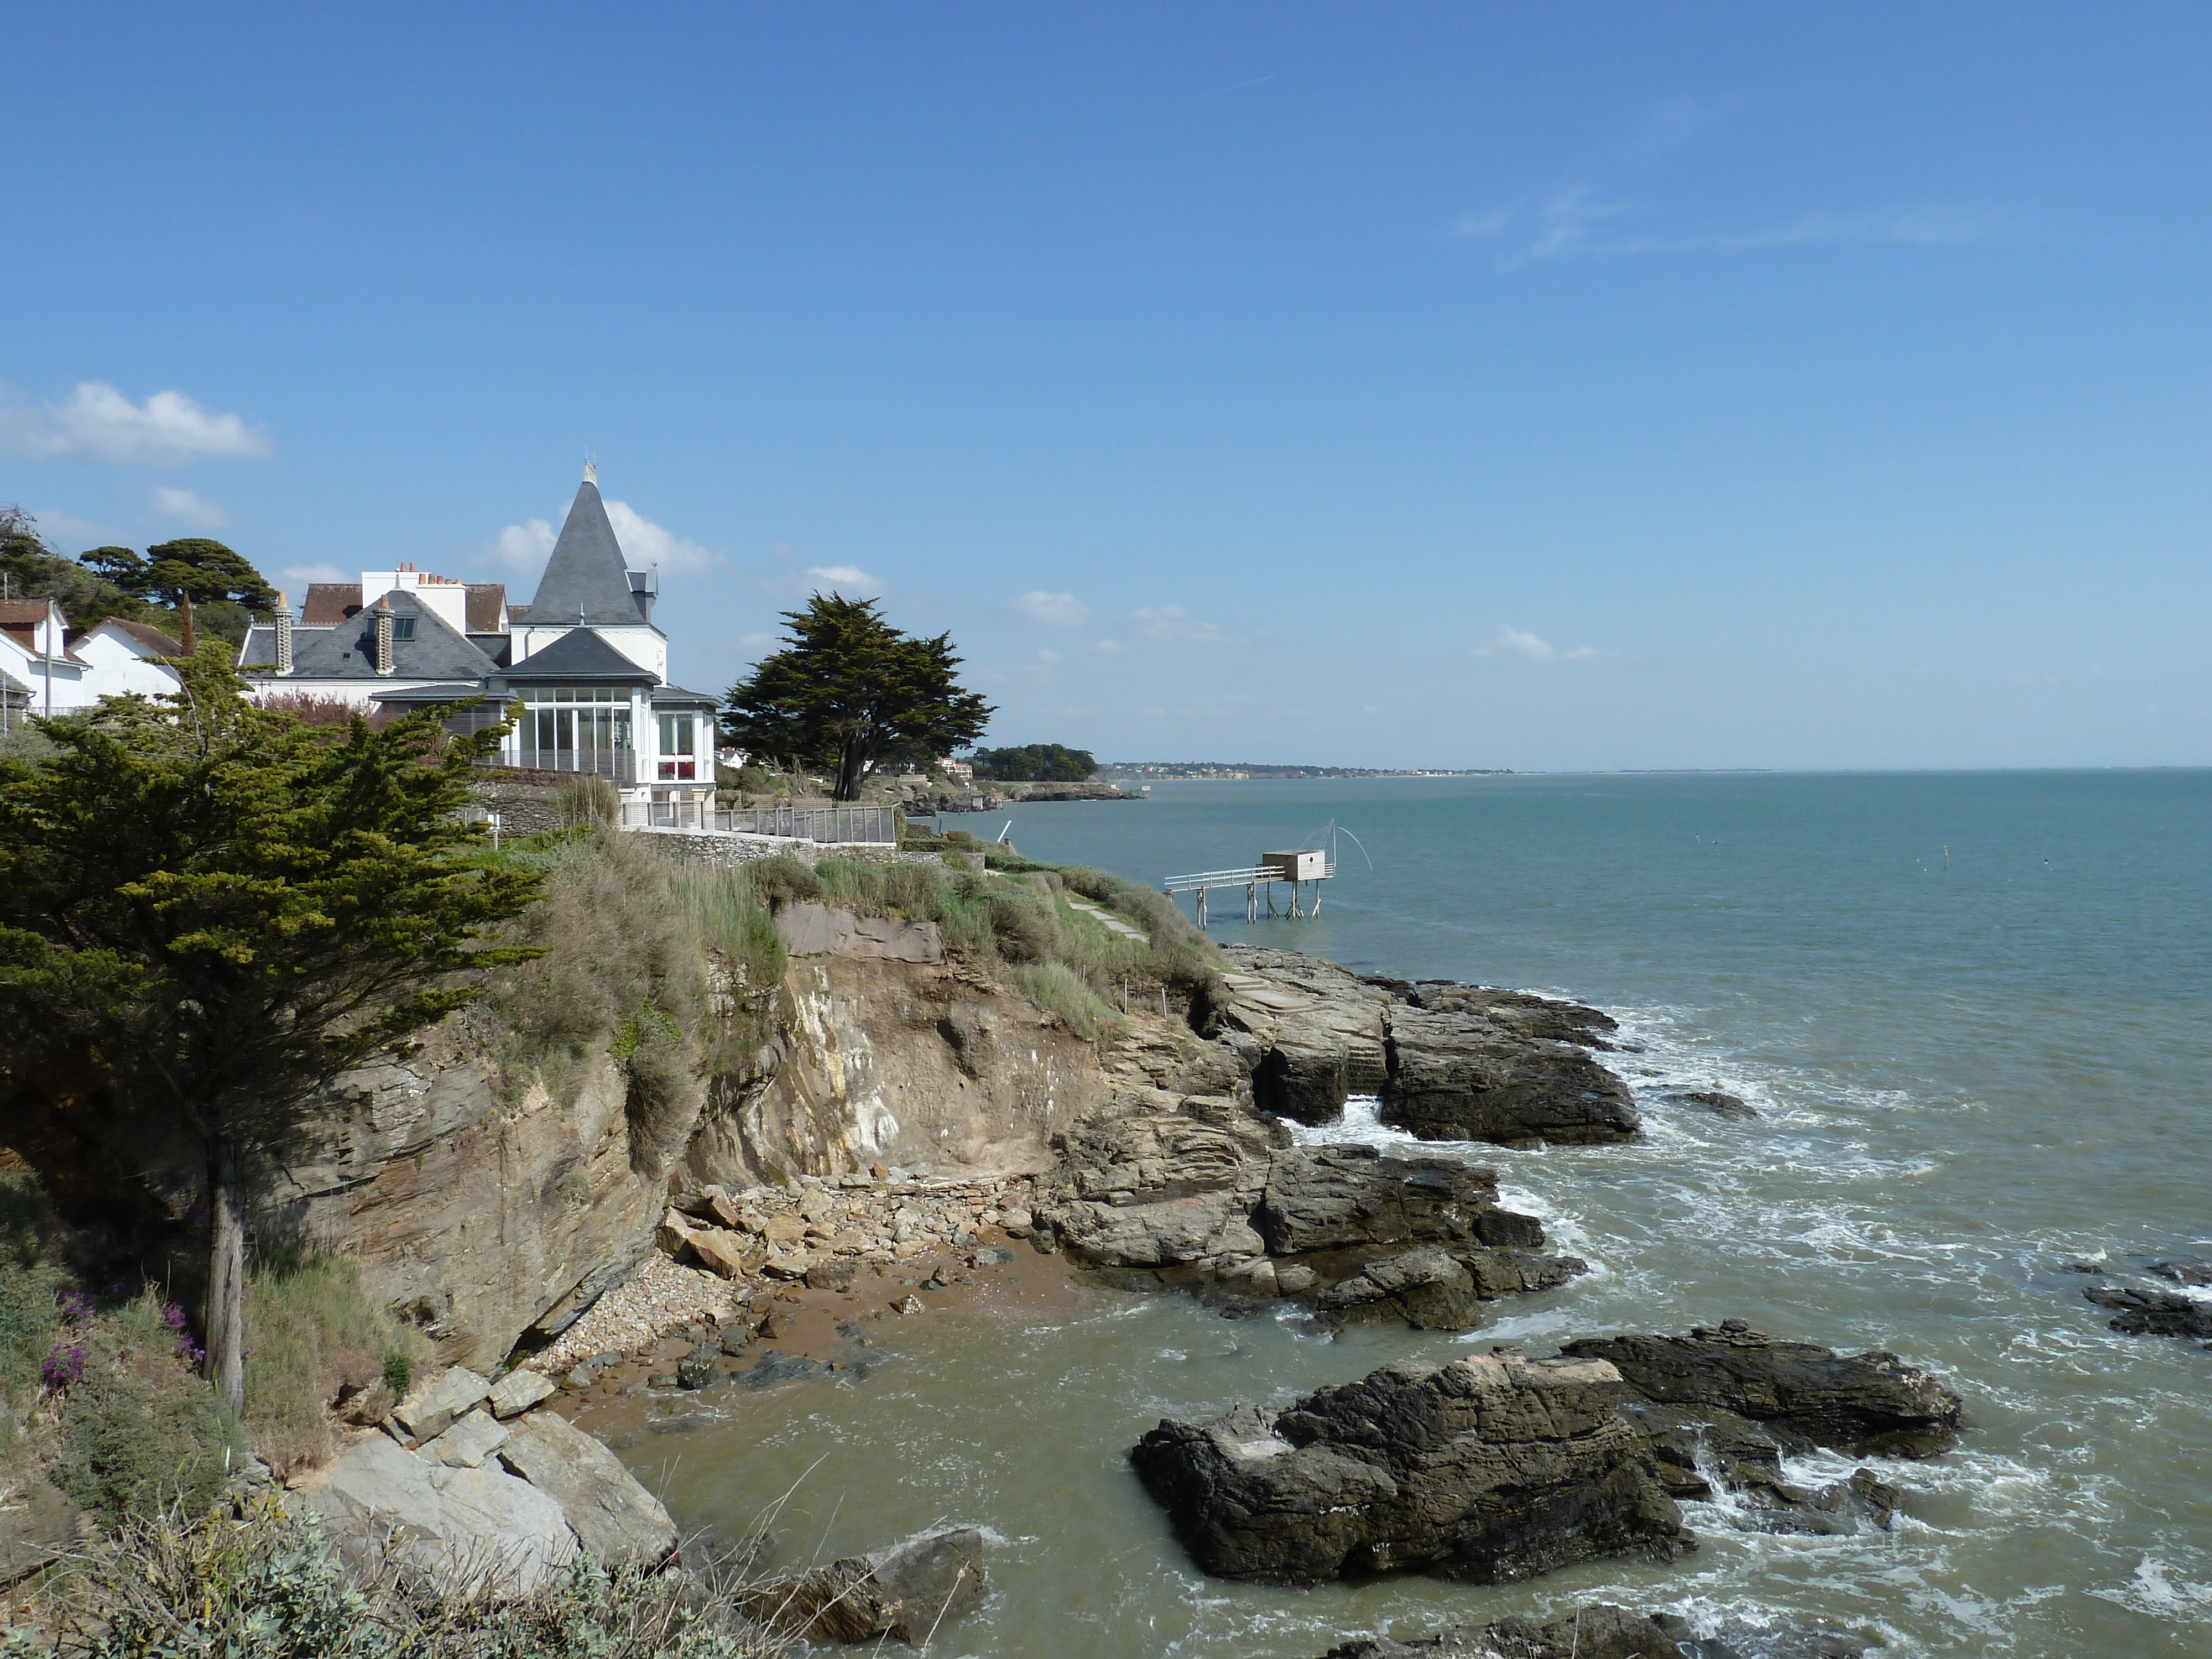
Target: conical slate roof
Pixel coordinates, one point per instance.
(587, 581)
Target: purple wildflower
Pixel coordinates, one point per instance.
(64, 1366)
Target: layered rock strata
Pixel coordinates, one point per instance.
(1450, 1062)
(1724, 1406)
(1491, 1468)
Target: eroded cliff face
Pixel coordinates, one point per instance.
(878, 1060)
(479, 1213)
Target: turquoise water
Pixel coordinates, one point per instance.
(1968, 1076)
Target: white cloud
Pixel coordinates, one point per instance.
(1048, 657)
(1053, 610)
(1519, 642)
(98, 423)
(299, 575)
(842, 576)
(525, 545)
(188, 507)
(646, 544)
(1111, 647)
(1580, 220)
(1173, 625)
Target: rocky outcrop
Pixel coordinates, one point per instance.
(1491, 1468)
(907, 1592)
(1451, 1062)
(486, 1506)
(1867, 1404)
(1456, 1075)
(2154, 1313)
(1200, 1191)
(816, 930)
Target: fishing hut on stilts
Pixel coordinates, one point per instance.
(1296, 868)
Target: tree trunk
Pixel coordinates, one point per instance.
(226, 1293)
(852, 767)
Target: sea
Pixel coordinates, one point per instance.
(1973, 1011)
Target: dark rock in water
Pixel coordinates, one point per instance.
(1321, 1198)
(1315, 1031)
(777, 1366)
(736, 1335)
(905, 1592)
(1517, 1013)
(1869, 1404)
(2184, 1270)
(1489, 1469)
(1424, 1288)
(1715, 1101)
(2089, 1267)
(1510, 1228)
(2154, 1313)
(1515, 1272)
(1598, 1631)
(1455, 1077)
(697, 1368)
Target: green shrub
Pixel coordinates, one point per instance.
(311, 1323)
(139, 1431)
(780, 880)
(1023, 929)
(398, 1374)
(1059, 989)
(270, 1585)
(587, 800)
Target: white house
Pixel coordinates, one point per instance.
(50, 668)
(583, 658)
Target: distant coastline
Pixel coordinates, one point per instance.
(1224, 771)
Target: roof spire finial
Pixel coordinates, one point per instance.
(591, 475)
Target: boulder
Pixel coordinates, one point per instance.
(429, 1411)
(1489, 1469)
(1169, 1180)
(1513, 1013)
(2154, 1313)
(1457, 1076)
(617, 1520)
(697, 1368)
(1867, 1404)
(1321, 1198)
(468, 1443)
(721, 1251)
(1425, 1288)
(1715, 1101)
(518, 1391)
(814, 930)
(1317, 1032)
(1517, 1272)
(457, 1531)
(832, 1274)
(907, 1592)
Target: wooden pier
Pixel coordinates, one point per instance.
(1295, 868)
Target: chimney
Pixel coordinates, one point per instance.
(384, 634)
(191, 640)
(283, 634)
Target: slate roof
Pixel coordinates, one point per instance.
(675, 696)
(587, 580)
(579, 655)
(348, 652)
(330, 604)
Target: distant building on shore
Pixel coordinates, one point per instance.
(584, 660)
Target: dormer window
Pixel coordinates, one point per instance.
(403, 629)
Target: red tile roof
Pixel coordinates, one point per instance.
(330, 604)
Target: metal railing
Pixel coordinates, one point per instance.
(873, 825)
(616, 765)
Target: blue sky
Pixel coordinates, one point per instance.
(1459, 385)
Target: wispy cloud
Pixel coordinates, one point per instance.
(1519, 642)
(97, 422)
(645, 544)
(188, 507)
(299, 575)
(1053, 610)
(1582, 220)
(843, 576)
(1170, 624)
(524, 545)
